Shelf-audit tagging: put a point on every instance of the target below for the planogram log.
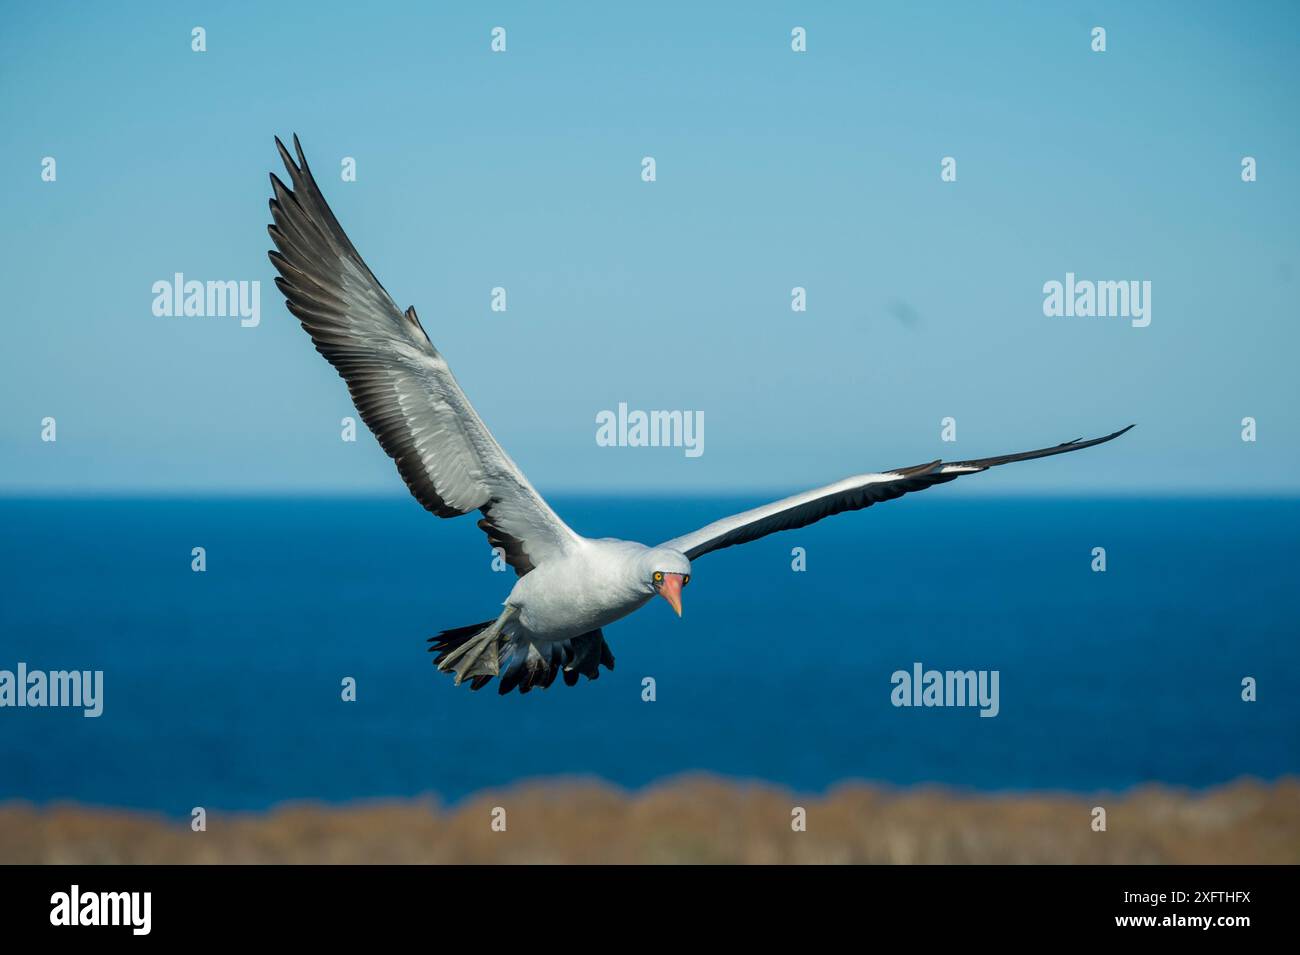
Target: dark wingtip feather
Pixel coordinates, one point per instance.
(285, 157)
(282, 195)
(916, 469)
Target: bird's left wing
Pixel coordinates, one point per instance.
(851, 494)
(399, 382)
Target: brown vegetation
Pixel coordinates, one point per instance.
(693, 820)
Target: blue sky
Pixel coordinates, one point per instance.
(775, 170)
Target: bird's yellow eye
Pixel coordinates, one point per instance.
(658, 577)
(686, 580)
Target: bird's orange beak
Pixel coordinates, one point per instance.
(671, 590)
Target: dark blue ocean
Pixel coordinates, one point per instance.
(222, 688)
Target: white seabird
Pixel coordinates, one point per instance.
(569, 586)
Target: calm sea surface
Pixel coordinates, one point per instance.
(222, 688)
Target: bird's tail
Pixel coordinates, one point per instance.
(525, 665)
(472, 652)
(481, 651)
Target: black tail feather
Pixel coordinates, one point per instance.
(580, 656)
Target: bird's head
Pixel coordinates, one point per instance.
(666, 572)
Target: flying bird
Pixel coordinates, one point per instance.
(569, 587)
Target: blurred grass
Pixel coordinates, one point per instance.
(699, 819)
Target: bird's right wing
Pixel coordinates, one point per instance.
(851, 494)
(399, 382)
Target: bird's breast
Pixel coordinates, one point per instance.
(568, 598)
